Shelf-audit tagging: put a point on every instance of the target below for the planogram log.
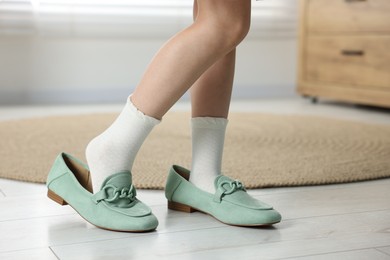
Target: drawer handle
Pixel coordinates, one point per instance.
(353, 1)
(352, 52)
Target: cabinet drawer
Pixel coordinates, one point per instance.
(349, 15)
(354, 60)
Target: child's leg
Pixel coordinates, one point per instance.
(220, 26)
(210, 100)
(211, 93)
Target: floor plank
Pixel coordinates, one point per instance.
(350, 255)
(71, 228)
(290, 238)
(385, 250)
(21, 188)
(317, 202)
(37, 206)
(41, 232)
(32, 254)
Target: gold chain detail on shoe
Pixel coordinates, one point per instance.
(221, 191)
(128, 193)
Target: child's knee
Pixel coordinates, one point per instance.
(232, 32)
(228, 29)
(238, 30)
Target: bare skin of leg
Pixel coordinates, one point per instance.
(219, 27)
(211, 93)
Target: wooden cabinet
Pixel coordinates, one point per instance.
(345, 50)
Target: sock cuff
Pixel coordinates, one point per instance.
(219, 123)
(140, 115)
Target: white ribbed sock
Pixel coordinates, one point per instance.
(115, 149)
(208, 137)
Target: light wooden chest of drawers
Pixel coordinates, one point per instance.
(344, 50)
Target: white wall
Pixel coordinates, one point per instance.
(82, 64)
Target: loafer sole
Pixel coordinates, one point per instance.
(188, 209)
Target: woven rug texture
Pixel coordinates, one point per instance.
(261, 150)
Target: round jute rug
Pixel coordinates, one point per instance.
(261, 150)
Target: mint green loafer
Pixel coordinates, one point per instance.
(115, 207)
(231, 204)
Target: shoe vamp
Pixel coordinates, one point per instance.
(243, 199)
(135, 209)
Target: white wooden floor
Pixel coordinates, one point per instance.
(346, 221)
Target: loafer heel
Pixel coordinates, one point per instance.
(180, 207)
(56, 198)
